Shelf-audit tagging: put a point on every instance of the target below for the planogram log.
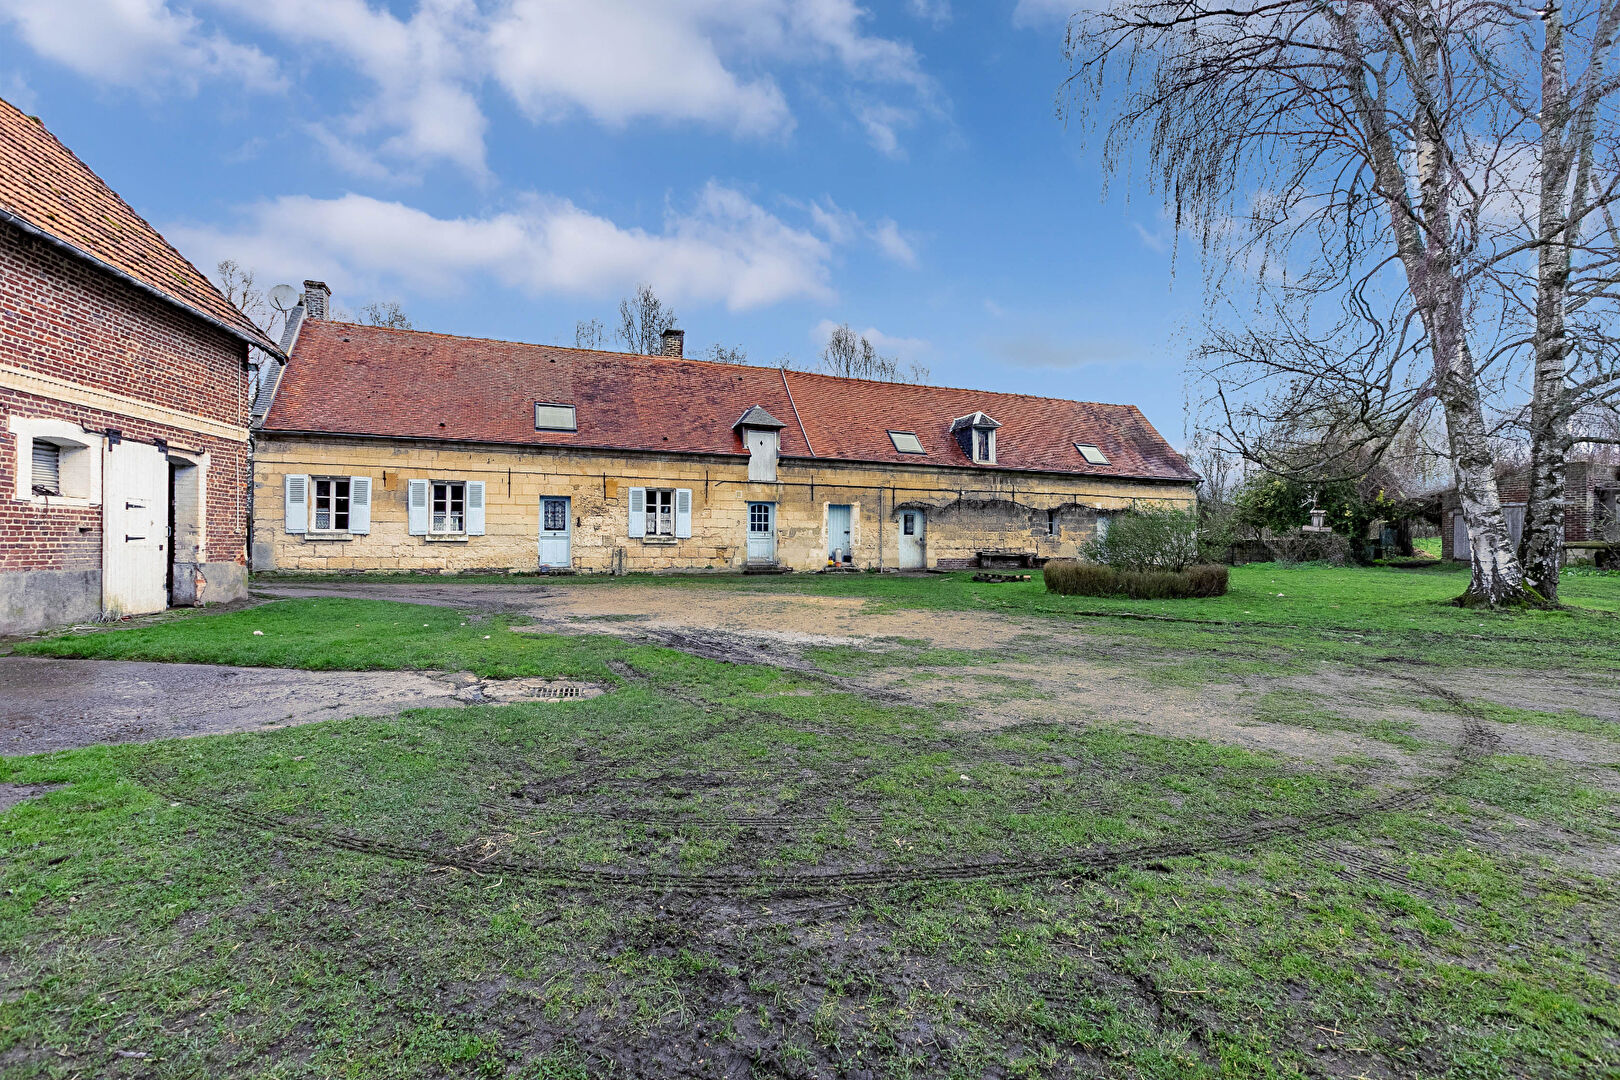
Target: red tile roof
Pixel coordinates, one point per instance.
(366, 380)
(45, 186)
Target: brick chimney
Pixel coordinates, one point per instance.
(674, 342)
(317, 299)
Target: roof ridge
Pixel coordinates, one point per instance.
(247, 324)
(727, 364)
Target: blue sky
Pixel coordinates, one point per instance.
(771, 167)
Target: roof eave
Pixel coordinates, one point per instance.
(1158, 478)
(261, 341)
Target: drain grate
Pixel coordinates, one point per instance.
(555, 692)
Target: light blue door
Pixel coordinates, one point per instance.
(761, 532)
(838, 533)
(913, 540)
(556, 549)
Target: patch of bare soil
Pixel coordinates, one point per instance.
(53, 704)
(1054, 689)
(12, 794)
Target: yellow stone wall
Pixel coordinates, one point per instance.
(967, 510)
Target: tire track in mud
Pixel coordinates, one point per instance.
(1476, 742)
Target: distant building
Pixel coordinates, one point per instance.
(408, 451)
(123, 402)
(1591, 512)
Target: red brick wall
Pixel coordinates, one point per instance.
(62, 317)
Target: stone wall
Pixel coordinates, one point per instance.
(967, 510)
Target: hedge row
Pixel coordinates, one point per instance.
(1094, 579)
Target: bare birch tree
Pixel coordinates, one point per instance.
(643, 318)
(1379, 153)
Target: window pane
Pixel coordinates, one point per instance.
(906, 442)
(1092, 455)
(553, 417)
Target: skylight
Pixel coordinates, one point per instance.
(1091, 453)
(906, 442)
(550, 417)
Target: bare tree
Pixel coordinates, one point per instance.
(727, 354)
(643, 318)
(241, 290)
(386, 313)
(589, 334)
(853, 356)
(1378, 154)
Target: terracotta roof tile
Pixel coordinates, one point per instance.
(44, 184)
(366, 380)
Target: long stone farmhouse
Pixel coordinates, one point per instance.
(124, 402)
(399, 450)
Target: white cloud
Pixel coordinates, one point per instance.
(1153, 241)
(135, 43)
(618, 60)
(937, 12)
(422, 70)
(889, 241)
(425, 70)
(615, 61)
(844, 227)
(724, 249)
(908, 349)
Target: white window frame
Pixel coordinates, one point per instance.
(660, 500)
(78, 464)
(433, 506)
(988, 434)
(571, 425)
(896, 436)
(315, 483)
(1100, 459)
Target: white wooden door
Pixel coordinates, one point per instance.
(838, 533)
(912, 543)
(555, 532)
(134, 527)
(761, 532)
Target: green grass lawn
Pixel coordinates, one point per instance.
(1308, 612)
(729, 870)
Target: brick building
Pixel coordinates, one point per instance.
(124, 464)
(402, 450)
(1591, 512)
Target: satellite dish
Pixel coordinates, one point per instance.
(283, 297)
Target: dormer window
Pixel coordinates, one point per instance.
(976, 432)
(1092, 455)
(762, 437)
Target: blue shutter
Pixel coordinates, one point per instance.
(297, 503)
(638, 511)
(360, 504)
(475, 508)
(417, 507)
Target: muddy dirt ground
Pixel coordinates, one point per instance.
(50, 704)
(1041, 670)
